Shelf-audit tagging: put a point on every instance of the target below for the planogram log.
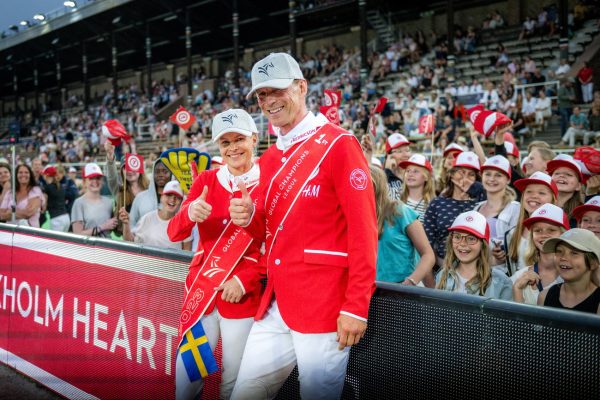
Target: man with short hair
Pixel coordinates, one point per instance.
(579, 126)
(316, 213)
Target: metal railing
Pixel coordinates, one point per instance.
(528, 86)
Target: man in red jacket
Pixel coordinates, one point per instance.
(316, 213)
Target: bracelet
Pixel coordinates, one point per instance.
(411, 280)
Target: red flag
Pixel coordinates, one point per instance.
(183, 118)
(114, 131)
(332, 98)
(134, 163)
(380, 105)
(426, 124)
(331, 112)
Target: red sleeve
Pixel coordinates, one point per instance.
(180, 226)
(352, 181)
(251, 272)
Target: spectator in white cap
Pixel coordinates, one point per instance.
(152, 227)
(229, 315)
(397, 149)
(466, 267)
(459, 196)
(500, 208)
(588, 215)
(536, 190)
(567, 175)
(547, 222)
(450, 153)
(419, 187)
(576, 256)
(92, 213)
(401, 237)
(321, 210)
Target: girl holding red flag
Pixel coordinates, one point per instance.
(229, 314)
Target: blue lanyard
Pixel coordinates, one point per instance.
(539, 284)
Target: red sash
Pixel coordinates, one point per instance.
(216, 268)
(287, 183)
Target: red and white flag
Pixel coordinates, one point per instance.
(183, 118)
(332, 98)
(426, 124)
(134, 163)
(376, 110)
(332, 114)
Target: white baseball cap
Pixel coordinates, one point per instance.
(511, 149)
(72, 169)
(394, 141)
(467, 159)
(472, 222)
(453, 148)
(233, 120)
(548, 213)
(277, 70)
(173, 187)
(537, 178)
(92, 170)
(419, 160)
(499, 163)
(581, 239)
(564, 160)
(377, 162)
(592, 204)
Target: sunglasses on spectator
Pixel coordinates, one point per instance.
(470, 239)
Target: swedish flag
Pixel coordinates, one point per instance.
(196, 354)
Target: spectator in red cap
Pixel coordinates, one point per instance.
(450, 153)
(577, 257)
(499, 208)
(567, 176)
(418, 189)
(92, 213)
(152, 227)
(456, 198)
(547, 222)
(397, 148)
(29, 196)
(588, 215)
(56, 198)
(466, 267)
(536, 190)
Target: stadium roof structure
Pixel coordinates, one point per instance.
(92, 29)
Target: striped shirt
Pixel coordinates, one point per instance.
(419, 206)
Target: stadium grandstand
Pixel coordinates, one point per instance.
(412, 80)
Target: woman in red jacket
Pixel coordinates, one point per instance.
(229, 314)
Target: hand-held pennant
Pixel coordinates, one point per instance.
(183, 118)
(426, 124)
(178, 162)
(196, 354)
(114, 131)
(376, 110)
(134, 163)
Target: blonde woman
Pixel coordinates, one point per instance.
(536, 190)
(418, 188)
(567, 175)
(547, 222)
(401, 237)
(450, 153)
(466, 265)
(499, 209)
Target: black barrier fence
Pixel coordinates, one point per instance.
(424, 344)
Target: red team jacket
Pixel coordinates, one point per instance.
(248, 271)
(323, 260)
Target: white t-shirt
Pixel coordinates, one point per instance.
(461, 284)
(152, 230)
(531, 293)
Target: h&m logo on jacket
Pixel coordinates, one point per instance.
(311, 191)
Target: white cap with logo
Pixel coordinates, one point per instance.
(233, 120)
(92, 170)
(173, 187)
(277, 70)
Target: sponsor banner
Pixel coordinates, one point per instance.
(101, 321)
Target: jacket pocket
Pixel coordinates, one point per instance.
(326, 257)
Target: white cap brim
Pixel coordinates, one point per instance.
(272, 83)
(234, 130)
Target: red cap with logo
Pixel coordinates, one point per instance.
(472, 222)
(548, 213)
(467, 159)
(92, 170)
(394, 141)
(564, 160)
(592, 204)
(537, 178)
(499, 163)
